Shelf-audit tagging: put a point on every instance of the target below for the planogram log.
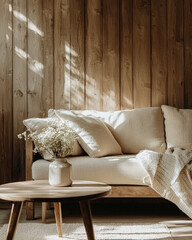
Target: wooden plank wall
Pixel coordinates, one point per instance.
(88, 54)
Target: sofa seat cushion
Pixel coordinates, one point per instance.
(119, 169)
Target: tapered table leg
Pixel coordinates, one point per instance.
(87, 218)
(44, 211)
(14, 219)
(58, 217)
(30, 210)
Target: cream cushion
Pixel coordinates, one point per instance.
(120, 169)
(37, 124)
(178, 127)
(94, 136)
(134, 130)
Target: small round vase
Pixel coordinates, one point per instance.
(59, 172)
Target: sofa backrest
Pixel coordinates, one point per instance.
(134, 130)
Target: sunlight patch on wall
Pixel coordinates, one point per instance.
(67, 66)
(33, 64)
(36, 67)
(127, 101)
(69, 50)
(67, 57)
(34, 28)
(20, 53)
(10, 27)
(21, 17)
(7, 37)
(10, 8)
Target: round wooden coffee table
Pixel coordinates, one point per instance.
(41, 191)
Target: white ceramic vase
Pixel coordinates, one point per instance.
(59, 172)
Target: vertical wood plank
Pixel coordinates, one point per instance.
(19, 85)
(141, 53)
(62, 54)
(159, 52)
(175, 53)
(110, 86)
(77, 54)
(6, 89)
(47, 98)
(35, 58)
(93, 54)
(40, 59)
(126, 37)
(188, 52)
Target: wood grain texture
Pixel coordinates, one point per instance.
(62, 54)
(42, 191)
(58, 218)
(159, 52)
(126, 53)
(14, 219)
(77, 67)
(47, 98)
(89, 54)
(40, 58)
(30, 206)
(6, 115)
(30, 210)
(35, 58)
(19, 84)
(141, 53)
(132, 191)
(110, 86)
(44, 211)
(93, 54)
(87, 218)
(188, 52)
(175, 53)
(28, 158)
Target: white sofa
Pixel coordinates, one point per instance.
(109, 141)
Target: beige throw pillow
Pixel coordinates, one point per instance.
(178, 127)
(138, 129)
(94, 136)
(37, 124)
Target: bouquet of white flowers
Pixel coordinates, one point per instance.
(57, 139)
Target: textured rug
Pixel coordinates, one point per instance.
(76, 231)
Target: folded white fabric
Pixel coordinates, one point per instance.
(35, 125)
(169, 174)
(94, 136)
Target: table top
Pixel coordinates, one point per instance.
(41, 190)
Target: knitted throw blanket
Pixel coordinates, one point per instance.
(170, 175)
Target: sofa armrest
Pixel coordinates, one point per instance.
(28, 158)
(30, 208)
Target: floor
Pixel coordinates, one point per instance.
(119, 210)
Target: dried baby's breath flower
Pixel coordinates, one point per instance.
(57, 139)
